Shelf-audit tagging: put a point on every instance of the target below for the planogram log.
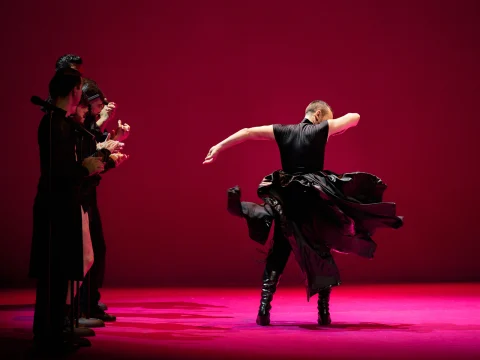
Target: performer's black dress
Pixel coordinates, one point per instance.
(86, 145)
(315, 210)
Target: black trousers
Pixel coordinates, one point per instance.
(90, 289)
(50, 304)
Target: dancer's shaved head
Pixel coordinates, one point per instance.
(319, 110)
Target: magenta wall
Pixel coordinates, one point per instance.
(186, 76)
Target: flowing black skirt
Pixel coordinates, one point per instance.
(319, 212)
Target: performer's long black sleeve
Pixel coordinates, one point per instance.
(59, 161)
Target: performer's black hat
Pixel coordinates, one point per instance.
(92, 91)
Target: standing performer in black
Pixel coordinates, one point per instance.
(67, 61)
(314, 210)
(61, 247)
(94, 120)
(98, 114)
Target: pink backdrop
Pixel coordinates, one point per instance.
(186, 76)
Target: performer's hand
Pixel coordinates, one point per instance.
(111, 145)
(119, 158)
(122, 132)
(212, 155)
(108, 112)
(94, 165)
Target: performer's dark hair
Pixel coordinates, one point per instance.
(90, 88)
(66, 60)
(316, 105)
(63, 82)
(89, 82)
(84, 100)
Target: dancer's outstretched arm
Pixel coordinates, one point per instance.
(255, 133)
(340, 125)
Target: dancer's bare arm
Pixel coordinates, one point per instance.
(255, 133)
(337, 126)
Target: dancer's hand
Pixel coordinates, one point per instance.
(122, 132)
(212, 154)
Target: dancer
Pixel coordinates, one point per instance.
(61, 247)
(314, 210)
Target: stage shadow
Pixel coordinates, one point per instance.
(163, 336)
(166, 326)
(21, 307)
(145, 305)
(361, 326)
(167, 305)
(164, 331)
(17, 343)
(15, 348)
(367, 326)
(169, 315)
(23, 318)
(147, 310)
(352, 327)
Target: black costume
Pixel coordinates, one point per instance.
(89, 292)
(315, 211)
(57, 244)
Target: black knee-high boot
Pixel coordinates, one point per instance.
(323, 307)
(270, 282)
